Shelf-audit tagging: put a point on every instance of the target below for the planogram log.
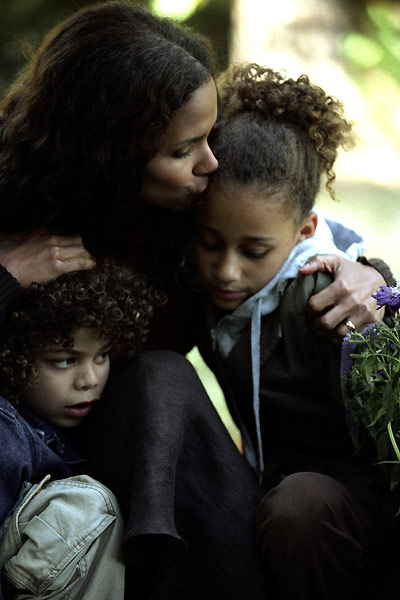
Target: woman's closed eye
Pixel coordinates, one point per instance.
(208, 241)
(184, 153)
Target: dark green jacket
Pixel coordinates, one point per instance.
(303, 422)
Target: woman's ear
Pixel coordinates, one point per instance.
(307, 227)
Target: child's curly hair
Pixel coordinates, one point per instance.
(111, 298)
(278, 132)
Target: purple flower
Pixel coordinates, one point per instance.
(369, 332)
(346, 361)
(388, 296)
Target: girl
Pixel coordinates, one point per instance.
(275, 138)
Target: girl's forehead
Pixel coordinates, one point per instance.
(244, 194)
(244, 211)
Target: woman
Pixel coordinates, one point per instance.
(103, 143)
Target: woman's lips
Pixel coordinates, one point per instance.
(78, 411)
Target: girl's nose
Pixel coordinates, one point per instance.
(227, 269)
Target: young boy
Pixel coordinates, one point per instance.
(61, 530)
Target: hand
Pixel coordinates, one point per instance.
(40, 255)
(347, 297)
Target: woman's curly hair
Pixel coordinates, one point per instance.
(110, 298)
(278, 132)
(88, 113)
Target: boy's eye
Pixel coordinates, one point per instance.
(100, 358)
(63, 363)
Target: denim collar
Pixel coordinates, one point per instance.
(55, 438)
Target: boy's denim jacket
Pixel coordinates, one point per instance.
(30, 448)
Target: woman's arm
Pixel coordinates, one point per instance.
(348, 296)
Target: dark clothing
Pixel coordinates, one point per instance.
(321, 518)
(187, 494)
(9, 290)
(299, 387)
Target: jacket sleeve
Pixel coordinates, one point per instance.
(18, 455)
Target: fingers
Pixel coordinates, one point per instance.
(334, 321)
(77, 263)
(326, 262)
(41, 256)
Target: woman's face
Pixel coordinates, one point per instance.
(179, 171)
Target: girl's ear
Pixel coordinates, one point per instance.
(308, 227)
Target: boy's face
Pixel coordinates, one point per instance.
(70, 380)
(243, 238)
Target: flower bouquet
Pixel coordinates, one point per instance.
(370, 376)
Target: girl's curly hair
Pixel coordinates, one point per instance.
(88, 113)
(278, 132)
(111, 298)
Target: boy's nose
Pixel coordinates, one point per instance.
(86, 379)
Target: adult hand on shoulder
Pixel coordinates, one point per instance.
(347, 298)
(41, 255)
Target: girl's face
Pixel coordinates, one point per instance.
(243, 238)
(70, 380)
(179, 171)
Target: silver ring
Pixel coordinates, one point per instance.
(350, 325)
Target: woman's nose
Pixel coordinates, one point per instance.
(207, 164)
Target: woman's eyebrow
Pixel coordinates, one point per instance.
(192, 140)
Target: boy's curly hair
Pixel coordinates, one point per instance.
(111, 298)
(277, 131)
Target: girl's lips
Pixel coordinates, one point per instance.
(78, 411)
(227, 294)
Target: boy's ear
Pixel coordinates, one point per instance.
(308, 226)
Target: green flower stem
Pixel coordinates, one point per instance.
(391, 436)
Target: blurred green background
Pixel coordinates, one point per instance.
(349, 47)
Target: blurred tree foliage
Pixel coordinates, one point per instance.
(375, 39)
(23, 24)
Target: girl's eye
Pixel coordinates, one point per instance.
(256, 255)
